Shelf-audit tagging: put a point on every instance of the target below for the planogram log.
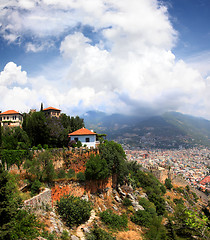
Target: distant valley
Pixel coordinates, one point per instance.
(170, 130)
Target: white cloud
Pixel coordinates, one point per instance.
(129, 68)
(12, 74)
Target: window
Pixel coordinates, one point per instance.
(76, 139)
(7, 118)
(0, 118)
(14, 117)
(87, 139)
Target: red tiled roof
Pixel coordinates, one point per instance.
(51, 108)
(9, 112)
(82, 131)
(205, 180)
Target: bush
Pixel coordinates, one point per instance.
(65, 235)
(142, 218)
(74, 210)
(61, 173)
(81, 176)
(96, 168)
(127, 202)
(39, 146)
(71, 173)
(178, 201)
(99, 234)
(168, 183)
(35, 186)
(113, 220)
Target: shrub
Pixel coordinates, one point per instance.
(61, 173)
(142, 218)
(168, 183)
(127, 202)
(81, 176)
(113, 220)
(35, 186)
(74, 210)
(178, 201)
(39, 146)
(65, 235)
(71, 173)
(99, 234)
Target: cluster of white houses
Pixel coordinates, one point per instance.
(12, 118)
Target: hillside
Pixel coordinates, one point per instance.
(140, 208)
(169, 130)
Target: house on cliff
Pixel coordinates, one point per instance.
(85, 136)
(11, 118)
(52, 112)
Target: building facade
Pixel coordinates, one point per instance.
(11, 118)
(52, 112)
(85, 136)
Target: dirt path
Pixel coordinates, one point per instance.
(80, 232)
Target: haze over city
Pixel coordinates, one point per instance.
(125, 56)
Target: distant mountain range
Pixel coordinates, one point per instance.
(170, 130)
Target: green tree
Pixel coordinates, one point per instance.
(74, 210)
(115, 157)
(96, 168)
(168, 183)
(15, 223)
(41, 167)
(36, 128)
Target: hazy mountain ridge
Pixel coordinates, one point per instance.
(170, 126)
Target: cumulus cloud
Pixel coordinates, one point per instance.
(12, 74)
(124, 64)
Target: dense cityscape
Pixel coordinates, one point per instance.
(192, 164)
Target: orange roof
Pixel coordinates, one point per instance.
(51, 108)
(205, 180)
(9, 112)
(82, 131)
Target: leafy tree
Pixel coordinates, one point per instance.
(96, 168)
(157, 230)
(115, 157)
(189, 223)
(15, 223)
(36, 128)
(168, 183)
(41, 167)
(74, 210)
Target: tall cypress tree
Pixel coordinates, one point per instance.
(41, 109)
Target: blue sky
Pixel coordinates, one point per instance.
(107, 55)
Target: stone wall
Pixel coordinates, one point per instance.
(40, 200)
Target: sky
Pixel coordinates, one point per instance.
(140, 57)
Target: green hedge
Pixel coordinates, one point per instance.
(13, 156)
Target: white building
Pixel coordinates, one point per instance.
(85, 136)
(11, 118)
